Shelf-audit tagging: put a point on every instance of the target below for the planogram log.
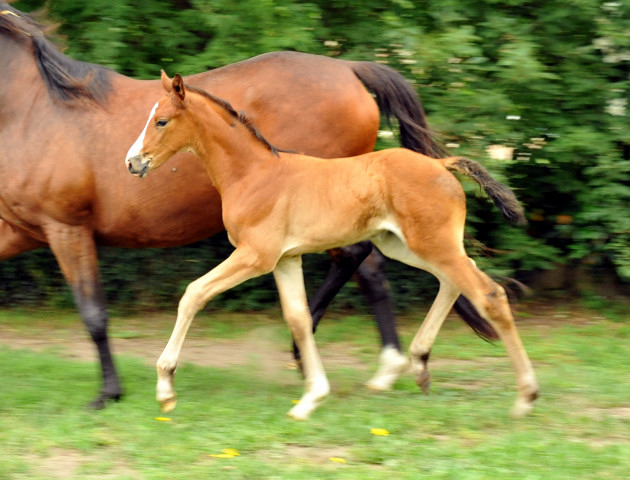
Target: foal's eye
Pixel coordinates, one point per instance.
(161, 123)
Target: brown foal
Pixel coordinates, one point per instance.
(280, 205)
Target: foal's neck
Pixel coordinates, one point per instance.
(227, 147)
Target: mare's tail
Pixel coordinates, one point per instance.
(501, 195)
(396, 97)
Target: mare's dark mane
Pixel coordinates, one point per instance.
(239, 116)
(66, 79)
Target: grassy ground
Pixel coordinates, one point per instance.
(580, 428)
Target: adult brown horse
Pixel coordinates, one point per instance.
(279, 206)
(62, 134)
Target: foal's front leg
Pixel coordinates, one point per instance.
(290, 281)
(239, 267)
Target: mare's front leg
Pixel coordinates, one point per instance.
(75, 251)
(290, 281)
(373, 283)
(369, 266)
(346, 261)
(242, 265)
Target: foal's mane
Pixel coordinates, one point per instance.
(241, 117)
(66, 79)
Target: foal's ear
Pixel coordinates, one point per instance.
(178, 86)
(166, 82)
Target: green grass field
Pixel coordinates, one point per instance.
(580, 428)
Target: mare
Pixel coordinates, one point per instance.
(61, 186)
(278, 206)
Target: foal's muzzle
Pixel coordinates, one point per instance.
(139, 165)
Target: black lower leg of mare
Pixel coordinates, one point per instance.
(94, 315)
(346, 260)
(373, 283)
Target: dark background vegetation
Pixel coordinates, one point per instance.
(549, 80)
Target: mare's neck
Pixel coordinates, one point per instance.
(22, 84)
(228, 149)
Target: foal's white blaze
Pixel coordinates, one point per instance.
(136, 148)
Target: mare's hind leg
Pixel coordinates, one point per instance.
(346, 260)
(290, 282)
(240, 266)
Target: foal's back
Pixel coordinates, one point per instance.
(322, 204)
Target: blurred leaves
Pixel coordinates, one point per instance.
(550, 80)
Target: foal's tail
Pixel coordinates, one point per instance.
(396, 97)
(501, 195)
(511, 209)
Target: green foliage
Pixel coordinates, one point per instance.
(549, 80)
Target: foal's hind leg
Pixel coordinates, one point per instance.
(453, 267)
(490, 300)
(422, 343)
(290, 282)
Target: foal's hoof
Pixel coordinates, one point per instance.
(521, 408)
(423, 380)
(301, 411)
(168, 405)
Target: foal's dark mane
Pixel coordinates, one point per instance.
(240, 117)
(66, 79)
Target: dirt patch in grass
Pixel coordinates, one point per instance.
(65, 463)
(618, 412)
(256, 346)
(306, 455)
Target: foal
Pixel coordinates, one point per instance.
(279, 205)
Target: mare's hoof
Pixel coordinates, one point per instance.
(100, 402)
(168, 405)
(392, 365)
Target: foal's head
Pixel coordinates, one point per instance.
(169, 130)
(174, 126)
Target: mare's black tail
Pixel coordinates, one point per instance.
(396, 97)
